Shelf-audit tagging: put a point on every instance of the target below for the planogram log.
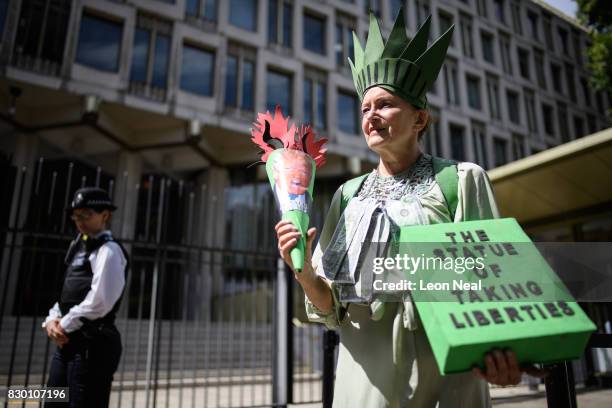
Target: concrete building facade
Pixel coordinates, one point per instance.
(172, 87)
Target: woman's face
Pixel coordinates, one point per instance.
(389, 123)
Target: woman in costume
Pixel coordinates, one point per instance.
(385, 359)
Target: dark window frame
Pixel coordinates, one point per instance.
(199, 48)
(280, 31)
(111, 20)
(320, 19)
(156, 28)
(353, 96)
(244, 56)
(247, 27)
(291, 79)
(318, 81)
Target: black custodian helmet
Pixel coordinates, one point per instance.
(91, 197)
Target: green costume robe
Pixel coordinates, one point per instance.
(385, 359)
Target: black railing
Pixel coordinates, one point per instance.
(199, 321)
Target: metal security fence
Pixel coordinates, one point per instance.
(202, 324)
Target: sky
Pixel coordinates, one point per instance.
(567, 6)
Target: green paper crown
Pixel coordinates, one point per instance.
(407, 69)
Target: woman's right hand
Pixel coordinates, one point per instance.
(315, 288)
(288, 235)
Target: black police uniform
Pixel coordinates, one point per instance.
(86, 363)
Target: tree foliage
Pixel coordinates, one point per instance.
(597, 14)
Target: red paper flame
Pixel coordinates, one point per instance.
(290, 138)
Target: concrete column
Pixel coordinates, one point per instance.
(209, 211)
(209, 232)
(125, 196)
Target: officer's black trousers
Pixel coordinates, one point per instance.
(86, 366)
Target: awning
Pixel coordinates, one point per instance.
(562, 182)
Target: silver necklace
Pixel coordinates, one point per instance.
(417, 179)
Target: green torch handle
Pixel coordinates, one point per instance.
(300, 219)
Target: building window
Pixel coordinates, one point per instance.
(451, 82)
(240, 78)
(487, 47)
(279, 22)
(481, 8)
(586, 91)
(3, 10)
(473, 88)
(504, 45)
(518, 146)
(344, 39)
(197, 70)
(434, 88)
(372, 6)
(516, 18)
(548, 119)
(571, 82)
(431, 138)
(550, 45)
(532, 122)
(202, 9)
(457, 139)
(446, 21)
(493, 96)
(314, 33)
(500, 14)
(563, 125)
(150, 56)
(600, 103)
(534, 32)
(578, 127)
(467, 42)
(243, 14)
(500, 150)
(538, 56)
(513, 107)
(231, 81)
(99, 43)
(592, 123)
(315, 97)
(523, 60)
(563, 41)
(555, 71)
(41, 35)
(577, 47)
(480, 144)
(347, 112)
(423, 11)
(279, 91)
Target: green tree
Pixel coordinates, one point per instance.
(597, 15)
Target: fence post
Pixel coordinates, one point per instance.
(330, 341)
(282, 351)
(560, 391)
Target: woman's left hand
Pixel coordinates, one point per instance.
(502, 368)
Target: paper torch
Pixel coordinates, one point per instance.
(291, 155)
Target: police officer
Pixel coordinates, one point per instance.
(81, 323)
